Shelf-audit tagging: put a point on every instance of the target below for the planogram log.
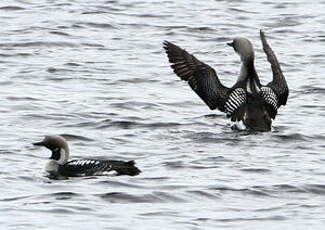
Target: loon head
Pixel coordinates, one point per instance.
(244, 48)
(59, 147)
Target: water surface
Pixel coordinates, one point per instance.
(95, 72)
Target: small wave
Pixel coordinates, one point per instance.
(318, 189)
(11, 8)
(93, 45)
(80, 124)
(255, 191)
(199, 195)
(13, 98)
(38, 44)
(312, 90)
(127, 124)
(15, 198)
(63, 195)
(253, 219)
(117, 184)
(210, 137)
(137, 80)
(95, 12)
(60, 33)
(242, 11)
(60, 70)
(200, 29)
(154, 197)
(97, 25)
(74, 64)
(153, 15)
(16, 55)
(292, 137)
(256, 170)
(119, 124)
(176, 165)
(314, 188)
(56, 195)
(281, 189)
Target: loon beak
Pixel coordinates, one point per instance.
(230, 44)
(41, 143)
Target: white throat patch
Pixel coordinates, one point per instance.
(52, 166)
(63, 157)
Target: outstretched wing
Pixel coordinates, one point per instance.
(278, 84)
(201, 77)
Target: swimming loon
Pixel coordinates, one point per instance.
(248, 100)
(59, 166)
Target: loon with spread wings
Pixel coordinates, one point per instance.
(248, 100)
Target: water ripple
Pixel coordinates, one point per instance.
(96, 73)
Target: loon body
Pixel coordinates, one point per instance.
(59, 166)
(248, 100)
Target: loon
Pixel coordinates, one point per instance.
(247, 100)
(59, 166)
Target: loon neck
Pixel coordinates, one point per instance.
(248, 76)
(247, 70)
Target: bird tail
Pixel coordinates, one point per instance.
(125, 168)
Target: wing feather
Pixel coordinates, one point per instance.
(84, 167)
(279, 83)
(201, 77)
(271, 100)
(236, 100)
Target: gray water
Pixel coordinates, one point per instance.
(96, 73)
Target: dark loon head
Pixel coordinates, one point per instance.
(59, 147)
(244, 48)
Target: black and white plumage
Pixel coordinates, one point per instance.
(59, 166)
(248, 100)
